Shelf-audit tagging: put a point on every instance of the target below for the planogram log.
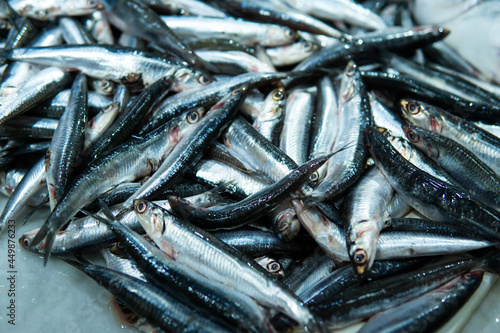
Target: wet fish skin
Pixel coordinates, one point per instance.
(131, 118)
(364, 215)
(428, 195)
(138, 19)
(480, 142)
(132, 160)
(158, 307)
(204, 96)
(427, 312)
(46, 83)
(473, 174)
(68, 141)
(354, 117)
(169, 275)
(120, 64)
(254, 206)
(191, 147)
(33, 181)
(224, 264)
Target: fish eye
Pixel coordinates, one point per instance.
(351, 70)
(193, 117)
(93, 3)
(412, 108)
(278, 95)
(141, 207)
(360, 257)
(290, 33)
(203, 79)
(274, 267)
(306, 45)
(412, 136)
(25, 242)
(314, 177)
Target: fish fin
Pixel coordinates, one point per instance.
(35, 209)
(105, 209)
(75, 263)
(107, 221)
(181, 207)
(48, 246)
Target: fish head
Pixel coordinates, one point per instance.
(420, 138)
(279, 35)
(150, 217)
(188, 78)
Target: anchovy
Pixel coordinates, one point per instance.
(345, 277)
(136, 18)
(325, 124)
(190, 148)
(427, 194)
(161, 309)
(473, 174)
(354, 116)
(269, 12)
(292, 54)
(49, 10)
(245, 32)
(123, 65)
(235, 62)
(216, 260)
(364, 214)
(254, 206)
(169, 275)
(132, 160)
(68, 142)
(24, 127)
(131, 118)
(43, 85)
(269, 121)
(344, 10)
(100, 122)
(256, 242)
(32, 182)
(204, 96)
(294, 139)
(483, 144)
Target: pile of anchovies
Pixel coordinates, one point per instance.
(246, 166)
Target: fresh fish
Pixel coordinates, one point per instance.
(159, 308)
(122, 65)
(130, 161)
(364, 215)
(294, 139)
(354, 117)
(325, 124)
(267, 11)
(131, 118)
(191, 146)
(292, 54)
(341, 10)
(220, 262)
(428, 195)
(100, 122)
(245, 32)
(484, 145)
(41, 86)
(436, 306)
(474, 175)
(136, 18)
(269, 120)
(68, 142)
(32, 182)
(49, 10)
(254, 206)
